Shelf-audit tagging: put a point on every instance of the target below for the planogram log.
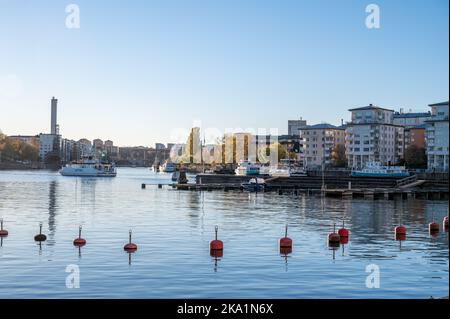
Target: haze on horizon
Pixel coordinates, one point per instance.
(136, 71)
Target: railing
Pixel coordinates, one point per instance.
(407, 180)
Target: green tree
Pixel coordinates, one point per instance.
(415, 157)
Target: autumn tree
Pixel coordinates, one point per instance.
(338, 156)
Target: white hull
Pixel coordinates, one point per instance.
(86, 172)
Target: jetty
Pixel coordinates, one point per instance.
(420, 186)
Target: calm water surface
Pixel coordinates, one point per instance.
(173, 229)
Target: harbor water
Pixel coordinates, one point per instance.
(173, 228)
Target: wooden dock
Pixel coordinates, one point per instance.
(345, 187)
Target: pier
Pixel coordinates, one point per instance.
(346, 187)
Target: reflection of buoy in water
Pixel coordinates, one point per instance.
(285, 242)
(445, 223)
(79, 241)
(216, 244)
(216, 253)
(40, 237)
(343, 232)
(334, 238)
(130, 247)
(3, 232)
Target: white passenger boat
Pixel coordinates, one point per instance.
(89, 167)
(375, 169)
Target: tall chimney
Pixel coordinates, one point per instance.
(53, 125)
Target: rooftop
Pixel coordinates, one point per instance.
(370, 107)
(439, 104)
(411, 115)
(323, 126)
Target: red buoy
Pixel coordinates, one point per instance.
(400, 232)
(216, 244)
(130, 247)
(79, 242)
(334, 238)
(433, 228)
(445, 223)
(40, 237)
(3, 232)
(343, 232)
(285, 242)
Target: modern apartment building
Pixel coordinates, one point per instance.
(294, 126)
(437, 137)
(411, 119)
(318, 142)
(372, 136)
(415, 136)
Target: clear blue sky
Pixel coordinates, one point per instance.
(136, 70)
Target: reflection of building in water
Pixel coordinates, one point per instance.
(87, 193)
(52, 210)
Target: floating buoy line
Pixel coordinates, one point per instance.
(216, 246)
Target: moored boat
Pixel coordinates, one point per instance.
(255, 184)
(168, 167)
(89, 167)
(375, 169)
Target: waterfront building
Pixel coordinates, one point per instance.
(319, 144)
(372, 136)
(68, 151)
(48, 143)
(415, 135)
(28, 139)
(437, 138)
(294, 126)
(84, 147)
(98, 144)
(170, 145)
(410, 119)
(159, 146)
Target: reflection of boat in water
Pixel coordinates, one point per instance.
(375, 169)
(168, 167)
(254, 185)
(246, 168)
(90, 167)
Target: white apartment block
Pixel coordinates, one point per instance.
(437, 138)
(46, 144)
(294, 126)
(372, 136)
(318, 142)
